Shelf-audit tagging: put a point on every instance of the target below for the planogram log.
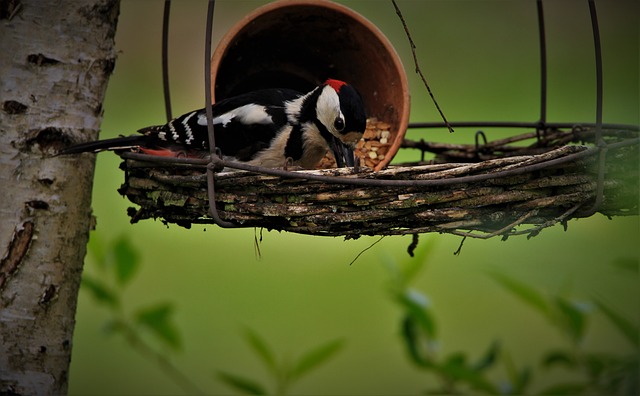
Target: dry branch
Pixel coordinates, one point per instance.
(508, 192)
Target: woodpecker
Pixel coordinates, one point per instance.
(268, 127)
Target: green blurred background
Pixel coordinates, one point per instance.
(481, 59)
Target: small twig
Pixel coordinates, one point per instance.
(536, 230)
(365, 249)
(256, 243)
(165, 365)
(418, 70)
(211, 167)
(165, 59)
(504, 230)
(459, 250)
(16, 9)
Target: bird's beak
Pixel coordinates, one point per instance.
(343, 154)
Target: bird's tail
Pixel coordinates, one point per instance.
(119, 143)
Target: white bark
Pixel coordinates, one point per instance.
(55, 61)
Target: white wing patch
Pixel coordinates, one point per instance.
(294, 107)
(187, 129)
(174, 133)
(247, 114)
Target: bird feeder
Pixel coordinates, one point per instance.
(490, 188)
(299, 44)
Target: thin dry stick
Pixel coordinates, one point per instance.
(365, 249)
(459, 250)
(256, 243)
(549, 223)
(504, 230)
(418, 70)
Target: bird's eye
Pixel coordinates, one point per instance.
(339, 124)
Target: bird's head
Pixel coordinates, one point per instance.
(341, 112)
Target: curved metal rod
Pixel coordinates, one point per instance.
(543, 69)
(478, 135)
(419, 183)
(517, 124)
(217, 161)
(165, 59)
(599, 142)
(208, 105)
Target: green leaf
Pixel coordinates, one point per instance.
(489, 357)
(417, 344)
(456, 360)
(518, 379)
(241, 384)
(630, 264)
(457, 370)
(158, 320)
(417, 305)
(628, 329)
(521, 290)
(555, 358)
(597, 364)
(315, 357)
(126, 260)
(100, 291)
(522, 381)
(572, 318)
(628, 377)
(260, 347)
(418, 327)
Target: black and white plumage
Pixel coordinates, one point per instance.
(266, 127)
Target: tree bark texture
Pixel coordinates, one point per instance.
(56, 58)
(492, 205)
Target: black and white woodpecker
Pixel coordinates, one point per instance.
(269, 127)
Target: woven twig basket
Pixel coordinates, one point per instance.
(481, 199)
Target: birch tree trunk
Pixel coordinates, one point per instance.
(55, 61)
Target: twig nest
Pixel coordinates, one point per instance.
(483, 199)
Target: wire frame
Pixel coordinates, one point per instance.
(616, 137)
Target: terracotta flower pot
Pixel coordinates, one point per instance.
(298, 44)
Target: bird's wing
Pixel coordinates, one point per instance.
(243, 125)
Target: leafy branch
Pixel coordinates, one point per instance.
(117, 264)
(602, 373)
(283, 373)
(419, 332)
